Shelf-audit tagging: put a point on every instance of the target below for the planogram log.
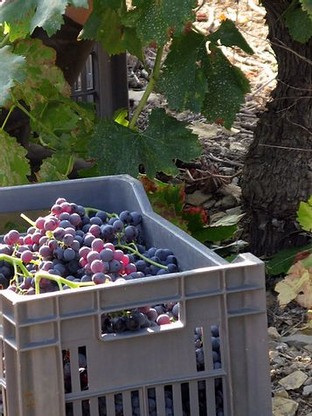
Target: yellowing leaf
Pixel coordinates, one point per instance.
(297, 285)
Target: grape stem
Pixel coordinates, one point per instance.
(90, 209)
(136, 251)
(7, 117)
(17, 263)
(27, 219)
(59, 280)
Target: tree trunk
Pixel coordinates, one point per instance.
(278, 167)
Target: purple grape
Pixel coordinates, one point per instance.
(136, 218)
(97, 245)
(107, 254)
(93, 255)
(114, 266)
(95, 230)
(27, 256)
(68, 239)
(125, 217)
(96, 220)
(131, 233)
(99, 278)
(12, 237)
(102, 215)
(69, 254)
(118, 226)
(97, 266)
(75, 219)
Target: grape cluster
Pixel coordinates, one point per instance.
(74, 246)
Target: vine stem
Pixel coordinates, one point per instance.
(149, 88)
(8, 116)
(5, 41)
(35, 120)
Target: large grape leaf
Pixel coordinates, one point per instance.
(227, 86)
(14, 167)
(43, 13)
(10, 71)
(183, 80)
(299, 24)
(229, 35)
(118, 149)
(43, 77)
(160, 18)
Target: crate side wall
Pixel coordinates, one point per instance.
(119, 365)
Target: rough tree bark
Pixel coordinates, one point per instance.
(278, 167)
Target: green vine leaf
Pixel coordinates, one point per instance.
(42, 13)
(10, 72)
(108, 25)
(227, 86)
(14, 167)
(229, 35)
(183, 80)
(57, 117)
(42, 77)
(299, 23)
(159, 19)
(121, 150)
(215, 234)
(304, 215)
(55, 168)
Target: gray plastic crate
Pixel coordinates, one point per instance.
(152, 372)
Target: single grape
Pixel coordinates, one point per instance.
(93, 255)
(102, 215)
(163, 319)
(97, 266)
(96, 220)
(125, 217)
(97, 245)
(107, 254)
(95, 230)
(99, 278)
(68, 239)
(45, 252)
(50, 223)
(66, 207)
(118, 226)
(114, 266)
(27, 256)
(131, 233)
(136, 218)
(84, 251)
(69, 254)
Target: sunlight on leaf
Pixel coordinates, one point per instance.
(10, 72)
(304, 215)
(14, 166)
